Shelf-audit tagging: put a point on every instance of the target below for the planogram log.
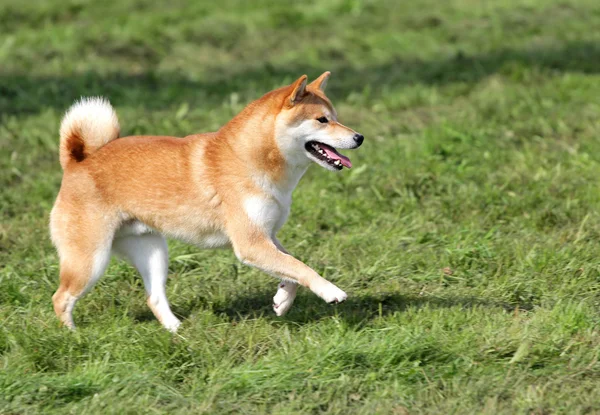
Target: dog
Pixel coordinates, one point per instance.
(229, 188)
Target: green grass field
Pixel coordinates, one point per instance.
(467, 234)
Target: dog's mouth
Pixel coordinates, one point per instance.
(328, 155)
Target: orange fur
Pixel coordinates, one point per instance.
(191, 188)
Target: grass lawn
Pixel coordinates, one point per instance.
(467, 235)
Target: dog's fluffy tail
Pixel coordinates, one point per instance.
(89, 124)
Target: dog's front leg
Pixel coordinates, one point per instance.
(256, 249)
(284, 297)
(286, 290)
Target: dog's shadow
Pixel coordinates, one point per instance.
(355, 311)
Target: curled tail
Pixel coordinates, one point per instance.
(89, 124)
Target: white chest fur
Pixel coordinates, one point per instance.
(270, 209)
(267, 213)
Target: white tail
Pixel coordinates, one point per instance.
(89, 124)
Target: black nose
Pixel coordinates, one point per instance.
(359, 138)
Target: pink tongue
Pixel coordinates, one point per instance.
(334, 155)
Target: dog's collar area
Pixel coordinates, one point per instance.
(328, 154)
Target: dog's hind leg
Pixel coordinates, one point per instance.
(149, 254)
(84, 251)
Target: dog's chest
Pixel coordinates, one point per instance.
(268, 213)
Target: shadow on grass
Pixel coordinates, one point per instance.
(23, 94)
(354, 311)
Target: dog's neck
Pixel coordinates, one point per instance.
(251, 136)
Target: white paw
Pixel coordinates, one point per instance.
(172, 324)
(284, 298)
(331, 294)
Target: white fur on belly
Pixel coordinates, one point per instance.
(214, 239)
(133, 228)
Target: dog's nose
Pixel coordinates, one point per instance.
(358, 138)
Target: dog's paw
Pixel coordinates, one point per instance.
(284, 298)
(172, 324)
(332, 294)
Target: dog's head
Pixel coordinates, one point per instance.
(307, 128)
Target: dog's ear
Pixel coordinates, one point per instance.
(298, 90)
(320, 82)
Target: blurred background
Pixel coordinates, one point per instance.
(466, 234)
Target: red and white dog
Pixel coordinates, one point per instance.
(232, 188)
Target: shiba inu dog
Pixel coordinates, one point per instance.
(231, 188)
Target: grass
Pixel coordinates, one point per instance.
(467, 235)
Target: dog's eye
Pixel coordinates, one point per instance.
(323, 120)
